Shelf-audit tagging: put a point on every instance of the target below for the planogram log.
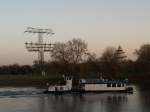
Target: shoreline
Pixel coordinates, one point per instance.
(26, 81)
(40, 81)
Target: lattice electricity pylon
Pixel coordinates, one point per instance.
(36, 47)
(39, 47)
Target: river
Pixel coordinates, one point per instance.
(30, 99)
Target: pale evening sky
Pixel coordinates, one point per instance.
(101, 23)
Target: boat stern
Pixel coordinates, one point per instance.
(129, 89)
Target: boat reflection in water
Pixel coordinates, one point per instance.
(87, 102)
(23, 100)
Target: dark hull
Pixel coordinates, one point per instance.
(81, 91)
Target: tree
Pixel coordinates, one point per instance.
(108, 63)
(60, 53)
(77, 49)
(121, 61)
(108, 55)
(72, 51)
(113, 61)
(120, 55)
(91, 65)
(143, 58)
(70, 54)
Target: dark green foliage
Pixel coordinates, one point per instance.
(143, 59)
(16, 69)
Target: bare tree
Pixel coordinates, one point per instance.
(77, 49)
(60, 53)
(72, 52)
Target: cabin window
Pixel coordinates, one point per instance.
(61, 88)
(113, 85)
(56, 89)
(108, 85)
(68, 78)
(118, 85)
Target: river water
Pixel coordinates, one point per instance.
(31, 99)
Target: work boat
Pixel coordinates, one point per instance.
(91, 85)
(59, 88)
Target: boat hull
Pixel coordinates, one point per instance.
(83, 91)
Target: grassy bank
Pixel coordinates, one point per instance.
(22, 80)
(40, 81)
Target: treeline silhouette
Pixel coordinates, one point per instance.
(73, 57)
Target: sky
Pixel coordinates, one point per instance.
(101, 23)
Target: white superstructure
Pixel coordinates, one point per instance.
(91, 85)
(62, 88)
(97, 85)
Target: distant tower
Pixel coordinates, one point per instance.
(39, 47)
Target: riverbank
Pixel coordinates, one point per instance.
(22, 80)
(40, 81)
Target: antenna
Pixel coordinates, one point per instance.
(39, 47)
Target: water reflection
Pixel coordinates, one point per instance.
(105, 102)
(83, 103)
